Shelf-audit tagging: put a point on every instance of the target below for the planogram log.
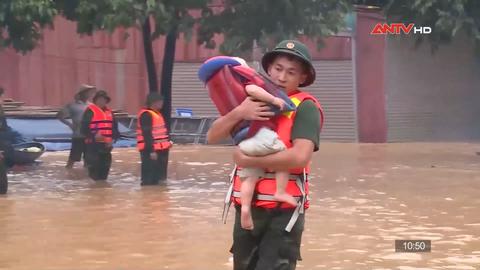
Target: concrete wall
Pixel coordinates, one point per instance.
(432, 96)
(369, 78)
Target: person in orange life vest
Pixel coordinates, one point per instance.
(261, 140)
(152, 139)
(274, 242)
(100, 130)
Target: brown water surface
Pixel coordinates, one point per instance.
(363, 198)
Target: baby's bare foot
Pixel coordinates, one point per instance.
(286, 198)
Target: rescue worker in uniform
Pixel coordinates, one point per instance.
(6, 149)
(152, 140)
(274, 243)
(100, 130)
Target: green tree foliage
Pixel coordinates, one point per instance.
(21, 22)
(446, 17)
(110, 14)
(269, 21)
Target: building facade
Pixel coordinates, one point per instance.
(372, 88)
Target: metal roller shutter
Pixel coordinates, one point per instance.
(189, 91)
(334, 88)
(432, 97)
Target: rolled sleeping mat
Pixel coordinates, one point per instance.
(225, 90)
(213, 65)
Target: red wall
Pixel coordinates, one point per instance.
(370, 82)
(50, 74)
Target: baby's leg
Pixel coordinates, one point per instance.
(281, 193)
(246, 194)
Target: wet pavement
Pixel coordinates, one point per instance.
(363, 198)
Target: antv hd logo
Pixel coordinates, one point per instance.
(399, 28)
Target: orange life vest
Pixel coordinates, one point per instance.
(159, 131)
(298, 182)
(101, 123)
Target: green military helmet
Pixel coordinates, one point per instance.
(297, 49)
(101, 94)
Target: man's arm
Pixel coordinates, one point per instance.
(63, 114)
(307, 123)
(146, 126)
(85, 125)
(247, 110)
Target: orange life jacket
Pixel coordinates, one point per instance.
(266, 187)
(159, 131)
(101, 123)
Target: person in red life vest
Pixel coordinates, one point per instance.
(100, 130)
(152, 140)
(274, 243)
(261, 140)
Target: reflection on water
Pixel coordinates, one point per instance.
(364, 197)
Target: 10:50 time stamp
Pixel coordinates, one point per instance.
(413, 246)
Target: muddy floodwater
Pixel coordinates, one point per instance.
(363, 198)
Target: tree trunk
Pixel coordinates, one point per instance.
(149, 57)
(167, 72)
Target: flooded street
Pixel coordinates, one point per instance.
(364, 197)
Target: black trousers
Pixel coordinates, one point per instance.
(3, 178)
(77, 150)
(99, 159)
(153, 170)
(268, 246)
